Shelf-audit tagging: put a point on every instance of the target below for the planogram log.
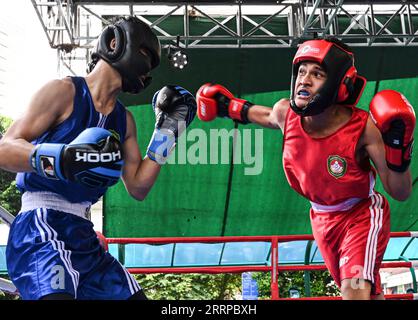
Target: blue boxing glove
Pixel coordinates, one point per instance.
(175, 108)
(93, 159)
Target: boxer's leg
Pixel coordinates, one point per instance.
(365, 240)
(39, 264)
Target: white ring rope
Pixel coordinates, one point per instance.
(8, 286)
(6, 216)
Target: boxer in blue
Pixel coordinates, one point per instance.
(74, 141)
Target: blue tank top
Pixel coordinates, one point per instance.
(84, 116)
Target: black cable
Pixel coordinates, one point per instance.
(228, 191)
(379, 71)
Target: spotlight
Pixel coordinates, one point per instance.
(177, 58)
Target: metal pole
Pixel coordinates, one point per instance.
(239, 25)
(274, 265)
(311, 17)
(412, 269)
(307, 274)
(121, 254)
(186, 26)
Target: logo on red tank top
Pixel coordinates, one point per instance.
(337, 166)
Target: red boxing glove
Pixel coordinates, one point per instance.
(395, 118)
(215, 100)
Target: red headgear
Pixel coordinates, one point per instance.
(343, 84)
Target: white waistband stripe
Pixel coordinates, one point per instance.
(50, 200)
(342, 206)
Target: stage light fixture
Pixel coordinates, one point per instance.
(178, 58)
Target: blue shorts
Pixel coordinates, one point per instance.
(51, 251)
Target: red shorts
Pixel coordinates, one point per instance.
(353, 242)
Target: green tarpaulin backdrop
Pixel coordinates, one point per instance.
(208, 199)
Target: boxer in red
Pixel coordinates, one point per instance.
(332, 153)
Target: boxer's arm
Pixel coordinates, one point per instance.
(273, 118)
(398, 185)
(138, 174)
(49, 106)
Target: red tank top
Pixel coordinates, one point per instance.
(325, 170)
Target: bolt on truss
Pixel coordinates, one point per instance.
(73, 26)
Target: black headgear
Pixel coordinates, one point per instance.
(131, 35)
(342, 85)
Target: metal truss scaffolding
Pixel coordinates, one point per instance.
(72, 26)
